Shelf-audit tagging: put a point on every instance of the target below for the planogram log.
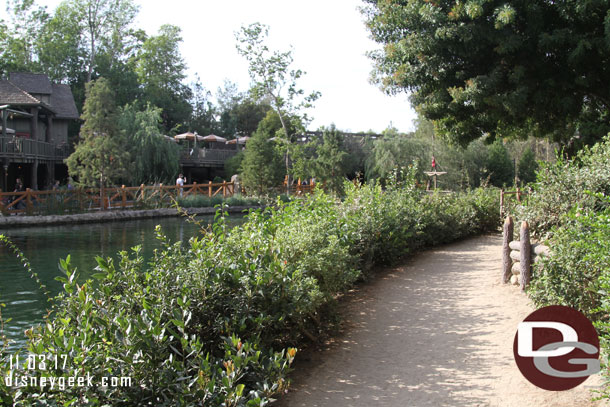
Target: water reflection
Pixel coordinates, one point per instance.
(26, 303)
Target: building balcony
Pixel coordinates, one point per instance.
(19, 149)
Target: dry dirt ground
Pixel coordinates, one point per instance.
(436, 331)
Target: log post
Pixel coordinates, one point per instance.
(526, 254)
(502, 203)
(28, 200)
(507, 238)
(224, 189)
(123, 197)
(209, 188)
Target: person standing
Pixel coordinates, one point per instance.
(180, 184)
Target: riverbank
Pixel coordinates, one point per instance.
(109, 216)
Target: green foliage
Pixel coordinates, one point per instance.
(330, 163)
(480, 67)
(233, 164)
(100, 157)
(160, 70)
(153, 158)
(261, 168)
(561, 186)
(465, 167)
(499, 165)
(527, 167)
(198, 324)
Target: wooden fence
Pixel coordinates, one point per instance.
(520, 194)
(81, 199)
(518, 255)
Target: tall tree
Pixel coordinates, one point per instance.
(161, 70)
(153, 157)
(272, 78)
(203, 116)
(331, 160)
(498, 67)
(261, 167)
(100, 157)
(500, 166)
(18, 43)
(104, 26)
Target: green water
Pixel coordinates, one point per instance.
(26, 303)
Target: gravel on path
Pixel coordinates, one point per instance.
(436, 331)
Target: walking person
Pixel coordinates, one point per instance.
(180, 184)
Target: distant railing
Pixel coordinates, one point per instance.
(83, 200)
(19, 147)
(504, 194)
(206, 156)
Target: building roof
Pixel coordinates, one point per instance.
(12, 95)
(32, 82)
(21, 90)
(62, 102)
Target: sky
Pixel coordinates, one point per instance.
(328, 38)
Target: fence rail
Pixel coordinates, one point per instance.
(61, 201)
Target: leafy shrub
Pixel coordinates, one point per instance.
(199, 324)
(202, 201)
(561, 186)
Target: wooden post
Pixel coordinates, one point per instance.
(507, 238)
(501, 202)
(224, 189)
(518, 195)
(28, 200)
(526, 254)
(123, 197)
(209, 188)
(194, 189)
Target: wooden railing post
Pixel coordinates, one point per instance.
(28, 200)
(518, 195)
(525, 259)
(194, 189)
(224, 189)
(501, 202)
(507, 236)
(123, 197)
(209, 188)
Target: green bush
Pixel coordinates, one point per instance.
(202, 201)
(561, 186)
(218, 322)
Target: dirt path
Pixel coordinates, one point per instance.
(437, 331)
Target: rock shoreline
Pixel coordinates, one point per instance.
(109, 216)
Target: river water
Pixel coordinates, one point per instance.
(26, 303)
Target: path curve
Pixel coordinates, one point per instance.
(436, 331)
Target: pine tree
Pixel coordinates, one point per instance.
(100, 157)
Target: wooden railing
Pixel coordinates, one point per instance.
(203, 156)
(24, 147)
(83, 200)
(504, 194)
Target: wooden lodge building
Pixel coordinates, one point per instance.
(34, 130)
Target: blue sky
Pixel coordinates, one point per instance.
(329, 42)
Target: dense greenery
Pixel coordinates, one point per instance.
(569, 209)
(498, 67)
(217, 322)
(561, 187)
(100, 157)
